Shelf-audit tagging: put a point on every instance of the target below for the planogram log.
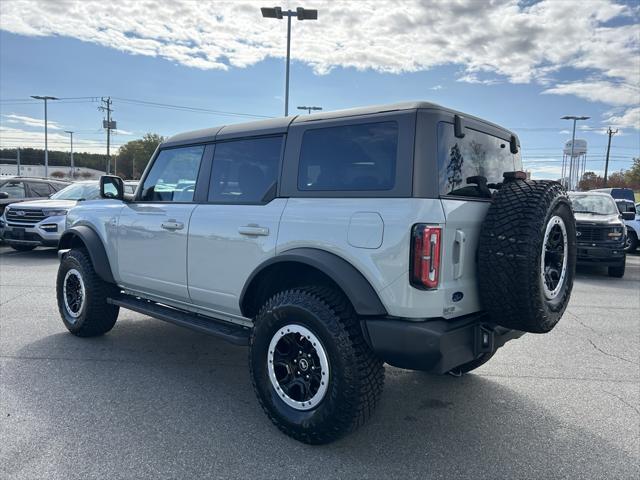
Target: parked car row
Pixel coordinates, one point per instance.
(30, 224)
(20, 189)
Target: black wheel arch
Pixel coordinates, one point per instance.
(330, 266)
(86, 237)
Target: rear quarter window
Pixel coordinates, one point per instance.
(477, 154)
(360, 157)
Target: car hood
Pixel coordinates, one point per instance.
(45, 203)
(588, 218)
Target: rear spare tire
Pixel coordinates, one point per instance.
(527, 255)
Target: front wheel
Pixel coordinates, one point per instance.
(617, 271)
(313, 372)
(82, 296)
(631, 243)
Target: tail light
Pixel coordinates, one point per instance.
(425, 256)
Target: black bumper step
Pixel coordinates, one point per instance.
(236, 334)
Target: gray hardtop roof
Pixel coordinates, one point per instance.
(281, 124)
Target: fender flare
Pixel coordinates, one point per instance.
(356, 287)
(94, 246)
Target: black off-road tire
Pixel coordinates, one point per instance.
(356, 375)
(617, 271)
(632, 242)
(22, 248)
(94, 316)
(472, 365)
(510, 252)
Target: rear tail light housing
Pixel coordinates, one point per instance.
(424, 271)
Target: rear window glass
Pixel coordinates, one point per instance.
(477, 154)
(349, 158)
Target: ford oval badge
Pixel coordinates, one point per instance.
(456, 297)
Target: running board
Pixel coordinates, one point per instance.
(235, 334)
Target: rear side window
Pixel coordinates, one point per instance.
(349, 158)
(13, 189)
(173, 175)
(477, 154)
(245, 171)
(39, 189)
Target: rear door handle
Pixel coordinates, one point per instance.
(172, 225)
(460, 239)
(253, 230)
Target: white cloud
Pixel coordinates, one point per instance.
(11, 137)
(505, 40)
(30, 121)
(436, 87)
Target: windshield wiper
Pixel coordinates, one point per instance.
(592, 213)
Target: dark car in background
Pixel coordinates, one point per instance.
(600, 230)
(20, 189)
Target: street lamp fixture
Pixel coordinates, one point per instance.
(301, 14)
(46, 145)
(303, 107)
(575, 118)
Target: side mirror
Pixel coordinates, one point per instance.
(628, 216)
(4, 195)
(111, 187)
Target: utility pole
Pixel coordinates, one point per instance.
(611, 133)
(109, 125)
(46, 145)
(18, 159)
(73, 171)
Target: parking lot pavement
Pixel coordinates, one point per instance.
(151, 400)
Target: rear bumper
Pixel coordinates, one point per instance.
(435, 345)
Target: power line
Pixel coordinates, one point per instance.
(189, 108)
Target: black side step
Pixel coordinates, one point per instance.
(236, 334)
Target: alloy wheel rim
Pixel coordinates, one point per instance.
(73, 293)
(298, 367)
(554, 257)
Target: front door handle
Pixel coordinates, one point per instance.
(172, 225)
(253, 230)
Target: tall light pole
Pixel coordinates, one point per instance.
(46, 145)
(308, 109)
(573, 141)
(73, 171)
(301, 14)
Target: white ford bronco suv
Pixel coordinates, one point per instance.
(329, 244)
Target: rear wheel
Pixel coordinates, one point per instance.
(22, 248)
(313, 372)
(82, 296)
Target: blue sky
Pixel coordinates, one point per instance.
(526, 86)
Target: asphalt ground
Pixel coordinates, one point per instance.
(152, 400)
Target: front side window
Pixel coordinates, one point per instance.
(476, 154)
(356, 157)
(244, 171)
(13, 189)
(172, 177)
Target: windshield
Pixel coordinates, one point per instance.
(79, 191)
(596, 204)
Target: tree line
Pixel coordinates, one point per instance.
(131, 158)
(621, 179)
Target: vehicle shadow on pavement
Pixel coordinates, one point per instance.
(153, 400)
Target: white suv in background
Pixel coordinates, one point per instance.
(330, 244)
